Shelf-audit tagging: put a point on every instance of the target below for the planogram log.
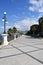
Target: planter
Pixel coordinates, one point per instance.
(5, 42)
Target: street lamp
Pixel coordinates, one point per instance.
(4, 20)
(5, 42)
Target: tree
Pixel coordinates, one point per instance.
(41, 20)
(14, 29)
(10, 31)
(41, 26)
(34, 29)
(28, 33)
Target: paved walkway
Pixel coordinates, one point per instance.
(23, 51)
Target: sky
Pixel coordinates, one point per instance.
(20, 13)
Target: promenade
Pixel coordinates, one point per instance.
(25, 50)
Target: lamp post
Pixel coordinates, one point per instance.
(4, 35)
(4, 20)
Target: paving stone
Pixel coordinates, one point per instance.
(22, 51)
(28, 48)
(19, 60)
(37, 54)
(8, 51)
(39, 46)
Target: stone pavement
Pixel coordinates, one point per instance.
(24, 50)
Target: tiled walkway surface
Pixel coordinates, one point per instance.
(23, 51)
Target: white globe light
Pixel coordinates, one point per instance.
(3, 20)
(4, 12)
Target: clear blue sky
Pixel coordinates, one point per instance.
(20, 13)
